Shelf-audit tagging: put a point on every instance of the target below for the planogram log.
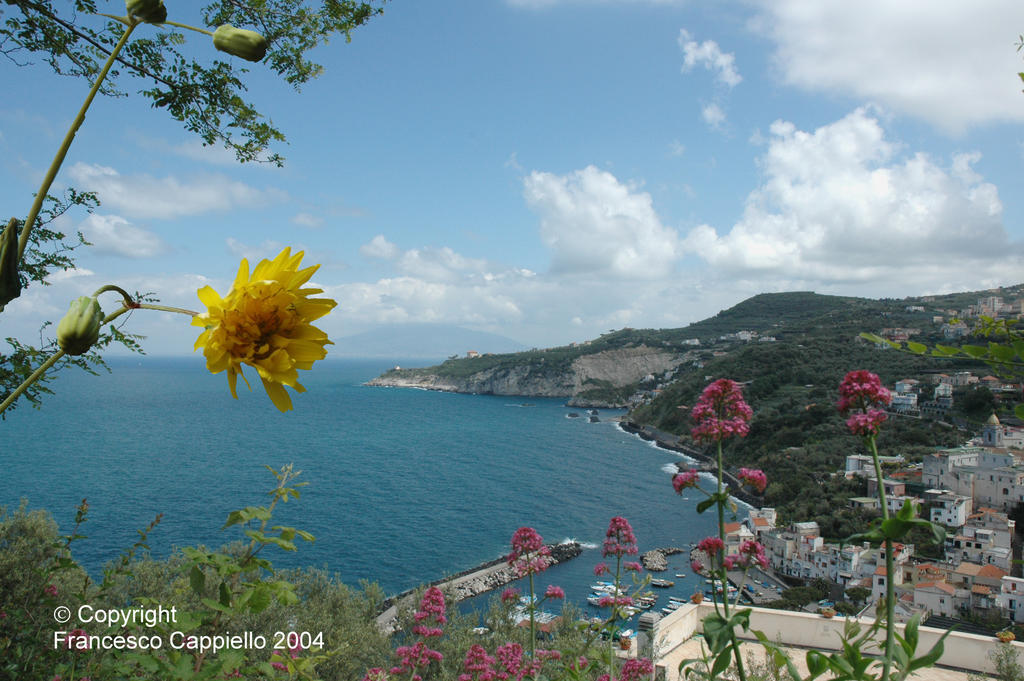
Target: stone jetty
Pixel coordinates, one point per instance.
(468, 583)
(654, 560)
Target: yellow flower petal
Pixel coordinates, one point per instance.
(264, 321)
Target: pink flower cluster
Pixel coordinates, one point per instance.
(636, 669)
(529, 554)
(862, 392)
(614, 601)
(554, 592)
(375, 674)
(478, 665)
(418, 655)
(711, 546)
(684, 480)
(866, 423)
(510, 595)
(633, 566)
(754, 477)
(720, 412)
(51, 590)
(431, 607)
(619, 539)
(294, 652)
(751, 552)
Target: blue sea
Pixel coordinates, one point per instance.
(405, 485)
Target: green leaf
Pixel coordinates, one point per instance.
(945, 351)
(214, 605)
(817, 663)
(1001, 353)
(916, 348)
(929, 658)
(706, 504)
(225, 595)
(197, 579)
(721, 663)
(975, 351)
(1019, 411)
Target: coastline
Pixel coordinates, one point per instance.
(705, 463)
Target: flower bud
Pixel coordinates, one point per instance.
(150, 11)
(240, 42)
(10, 282)
(80, 327)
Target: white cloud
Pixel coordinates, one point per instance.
(379, 247)
(596, 225)
(264, 251)
(676, 148)
(441, 264)
(307, 220)
(949, 62)
(709, 55)
(143, 196)
(713, 115)
(838, 206)
(113, 234)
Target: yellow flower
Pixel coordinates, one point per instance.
(264, 321)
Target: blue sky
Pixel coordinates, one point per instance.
(552, 169)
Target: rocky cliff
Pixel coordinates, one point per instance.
(617, 368)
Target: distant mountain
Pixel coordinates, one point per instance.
(415, 341)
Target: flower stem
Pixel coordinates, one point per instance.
(27, 383)
(58, 160)
(890, 599)
(725, 573)
(533, 625)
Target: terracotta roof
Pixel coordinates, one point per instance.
(880, 570)
(761, 522)
(941, 586)
(992, 571)
(967, 568)
(981, 590)
(731, 527)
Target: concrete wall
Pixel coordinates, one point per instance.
(962, 651)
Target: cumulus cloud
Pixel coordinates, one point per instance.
(265, 250)
(840, 205)
(307, 220)
(596, 225)
(379, 247)
(541, 4)
(709, 55)
(143, 196)
(948, 62)
(113, 234)
(713, 115)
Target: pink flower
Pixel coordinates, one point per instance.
(862, 390)
(376, 674)
(509, 595)
(866, 423)
(411, 658)
(711, 546)
(633, 565)
(751, 552)
(720, 412)
(279, 665)
(549, 655)
(619, 540)
(529, 555)
(636, 669)
(731, 561)
(51, 590)
(754, 477)
(431, 605)
(554, 592)
(600, 569)
(696, 566)
(74, 636)
(684, 480)
(510, 661)
(478, 665)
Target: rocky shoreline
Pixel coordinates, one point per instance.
(485, 577)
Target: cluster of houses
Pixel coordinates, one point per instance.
(914, 398)
(969, 489)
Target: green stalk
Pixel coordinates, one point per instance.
(725, 573)
(533, 629)
(890, 598)
(58, 160)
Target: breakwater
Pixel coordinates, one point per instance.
(485, 577)
(705, 462)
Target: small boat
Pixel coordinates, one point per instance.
(680, 575)
(662, 583)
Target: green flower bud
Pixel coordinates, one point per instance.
(10, 282)
(150, 11)
(80, 327)
(240, 42)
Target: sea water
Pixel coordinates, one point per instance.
(404, 485)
